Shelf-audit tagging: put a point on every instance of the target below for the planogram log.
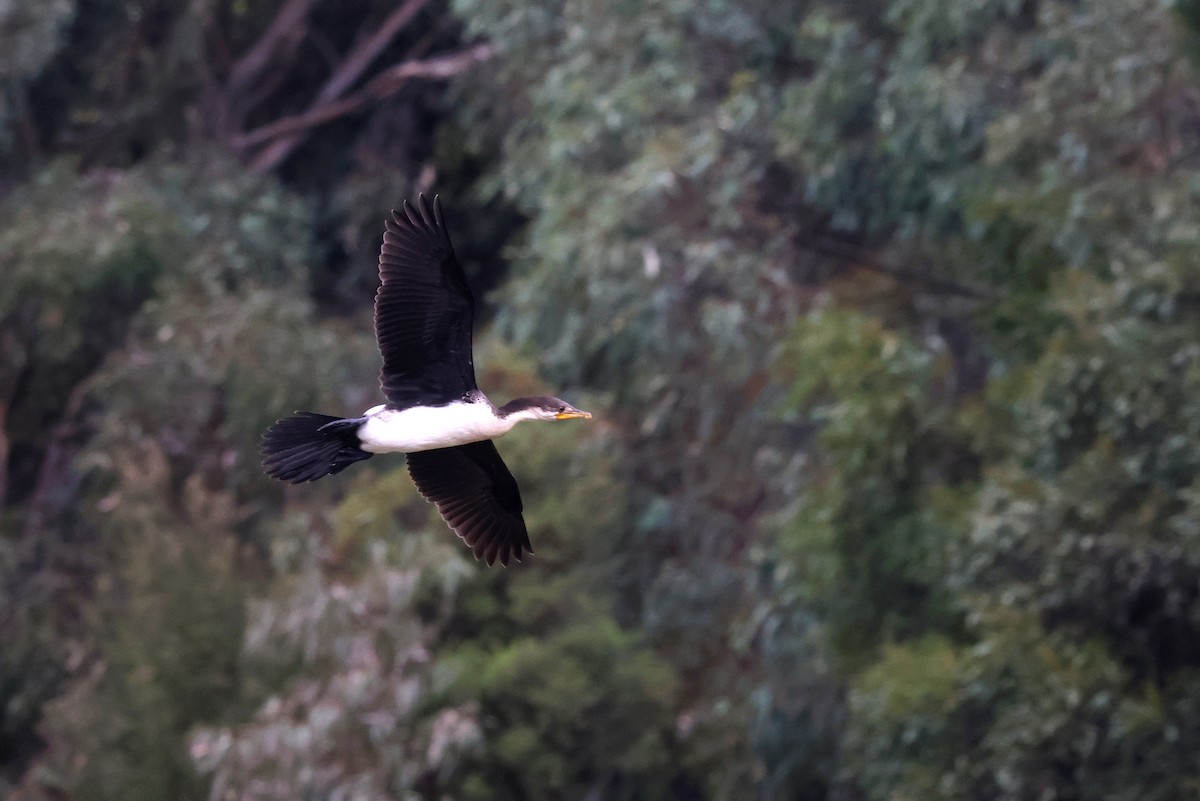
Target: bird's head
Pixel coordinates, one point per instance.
(541, 407)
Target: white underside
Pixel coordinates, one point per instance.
(424, 428)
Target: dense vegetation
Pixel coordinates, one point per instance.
(889, 312)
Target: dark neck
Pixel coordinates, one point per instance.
(524, 404)
(516, 405)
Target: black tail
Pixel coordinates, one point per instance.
(309, 445)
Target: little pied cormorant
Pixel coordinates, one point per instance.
(435, 413)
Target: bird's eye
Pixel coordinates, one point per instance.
(562, 409)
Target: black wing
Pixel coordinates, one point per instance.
(423, 311)
(476, 496)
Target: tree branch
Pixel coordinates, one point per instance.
(251, 80)
(845, 251)
(386, 83)
(350, 70)
(284, 33)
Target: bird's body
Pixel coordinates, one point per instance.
(424, 428)
(424, 312)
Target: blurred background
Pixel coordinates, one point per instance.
(888, 310)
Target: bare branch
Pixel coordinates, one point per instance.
(390, 80)
(251, 79)
(284, 33)
(361, 57)
(386, 83)
(300, 122)
(350, 70)
(845, 251)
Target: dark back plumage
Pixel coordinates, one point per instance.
(424, 311)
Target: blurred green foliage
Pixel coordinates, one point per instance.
(887, 311)
(1020, 549)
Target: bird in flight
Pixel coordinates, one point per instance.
(435, 413)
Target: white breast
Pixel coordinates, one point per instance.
(424, 428)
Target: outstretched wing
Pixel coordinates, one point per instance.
(476, 496)
(423, 311)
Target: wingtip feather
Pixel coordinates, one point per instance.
(427, 216)
(438, 218)
(409, 213)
